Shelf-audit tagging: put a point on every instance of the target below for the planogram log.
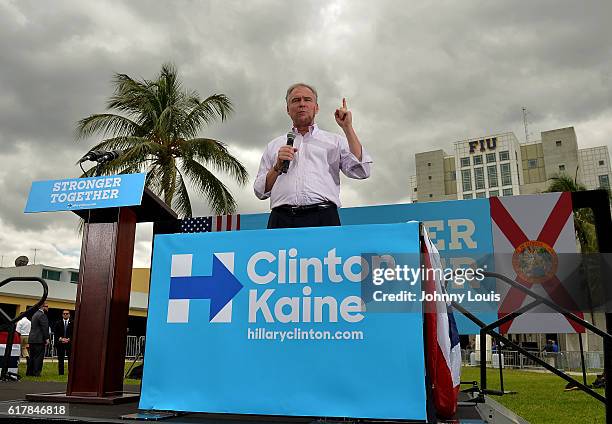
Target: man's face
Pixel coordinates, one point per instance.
(302, 106)
(45, 307)
(66, 314)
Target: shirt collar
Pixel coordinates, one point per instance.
(312, 130)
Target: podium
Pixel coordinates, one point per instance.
(97, 361)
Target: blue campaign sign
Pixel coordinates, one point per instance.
(460, 229)
(272, 322)
(86, 193)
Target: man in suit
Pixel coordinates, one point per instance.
(39, 339)
(63, 339)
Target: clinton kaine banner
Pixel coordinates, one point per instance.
(460, 230)
(272, 322)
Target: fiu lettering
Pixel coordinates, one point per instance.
(491, 143)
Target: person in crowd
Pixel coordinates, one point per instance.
(554, 347)
(38, 340)
(23, 328)
(63, 339)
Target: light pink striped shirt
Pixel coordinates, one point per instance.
(314, 173)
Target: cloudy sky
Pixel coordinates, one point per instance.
(417, 76)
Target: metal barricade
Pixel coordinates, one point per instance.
(131, 347)
(564, 360)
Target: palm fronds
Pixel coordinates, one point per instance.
(157, 124)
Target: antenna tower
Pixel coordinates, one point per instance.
(525, 123)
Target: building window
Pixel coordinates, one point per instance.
(604, 181)
(561, 167)
(507, 192)
(428, 163)
(506, 176)
(48, 274)
(532, 163)
(429, 177)
(504, 155)
(74, 277)
(492, 174)
(481, 195)
(478, 160)
(415, 189)
(467, 196)
(601, 163)
(465, 162)
(494, 193)
(466, 179)
(490, 157)
(558, 143)
(479, 179)
(452, 176)
(430, 196)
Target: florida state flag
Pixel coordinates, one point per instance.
(529, 233)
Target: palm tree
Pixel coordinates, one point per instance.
(584, 224)
(583, 218)
(157, 128)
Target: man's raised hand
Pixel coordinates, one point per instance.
(343, 116)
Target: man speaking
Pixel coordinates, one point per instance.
(300, 171)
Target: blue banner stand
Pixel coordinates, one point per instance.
(270, 322)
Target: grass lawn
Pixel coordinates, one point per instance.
(49, 373)
(541, 398)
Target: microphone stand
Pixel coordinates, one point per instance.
(98, 170)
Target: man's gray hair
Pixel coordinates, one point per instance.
(301, 84)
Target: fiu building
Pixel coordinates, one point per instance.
(499, 165)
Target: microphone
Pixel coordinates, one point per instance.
(92, 156)
(109, 156)
(101, 156)
(290, 138)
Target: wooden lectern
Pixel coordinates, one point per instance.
(97, 360)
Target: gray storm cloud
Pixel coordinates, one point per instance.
(416, 76)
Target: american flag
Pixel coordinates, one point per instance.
(206, 224)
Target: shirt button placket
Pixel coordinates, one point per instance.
(299, 189)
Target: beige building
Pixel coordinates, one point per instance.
(499, 165)
(17, 296)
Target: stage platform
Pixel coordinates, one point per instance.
(12, 394)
